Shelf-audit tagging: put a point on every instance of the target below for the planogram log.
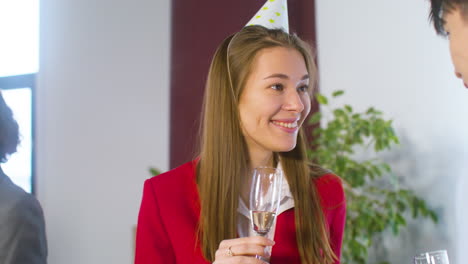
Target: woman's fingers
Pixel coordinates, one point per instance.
(239, 260)
(241, 250)
(263, 241)
(246, 246)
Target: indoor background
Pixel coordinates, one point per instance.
(107, 103)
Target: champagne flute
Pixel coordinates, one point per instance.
(265, 195)
(434, 257)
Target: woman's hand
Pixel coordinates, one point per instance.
(242, 250)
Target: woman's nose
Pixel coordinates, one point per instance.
(458, 75)
(294, 102)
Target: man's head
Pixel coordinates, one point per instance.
(9, 132)
(450, 18)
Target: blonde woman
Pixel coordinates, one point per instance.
(256, 100)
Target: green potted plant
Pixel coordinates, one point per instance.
(375, 200)
(153, 171)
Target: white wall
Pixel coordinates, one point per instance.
(102, 118)
(386, 54)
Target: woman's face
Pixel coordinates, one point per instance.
(275, 100)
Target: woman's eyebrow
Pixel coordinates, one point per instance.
(284, 76)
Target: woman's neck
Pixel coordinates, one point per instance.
(258, 158)
(261, 158)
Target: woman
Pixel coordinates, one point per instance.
(256, 100)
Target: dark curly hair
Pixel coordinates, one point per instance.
(441, 7)
(9, 131)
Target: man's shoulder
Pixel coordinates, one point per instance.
(14, 200)
(19, 209)
(22, 226)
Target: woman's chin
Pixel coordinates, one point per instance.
(285, 147)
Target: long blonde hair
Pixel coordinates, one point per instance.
(224, 156)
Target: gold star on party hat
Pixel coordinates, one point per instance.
(273, 14)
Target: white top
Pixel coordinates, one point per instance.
(244, 227)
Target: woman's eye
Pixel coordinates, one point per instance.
(277, 87)
(303, 88)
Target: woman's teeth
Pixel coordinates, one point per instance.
(286, 125)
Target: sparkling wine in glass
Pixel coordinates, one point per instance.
(434, 257)
(262, 221)
(265, 194)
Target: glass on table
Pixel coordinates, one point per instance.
(433, 257)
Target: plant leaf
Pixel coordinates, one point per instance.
(337, 93)
(349, 108)
(154, 171)
(321, 99)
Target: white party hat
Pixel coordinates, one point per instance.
(273, 14)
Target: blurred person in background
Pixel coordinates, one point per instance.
(450, 18)
(22, 227)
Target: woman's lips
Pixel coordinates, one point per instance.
(289, 127)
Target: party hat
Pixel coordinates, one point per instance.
(273, 14)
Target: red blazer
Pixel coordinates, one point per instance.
(170, 211)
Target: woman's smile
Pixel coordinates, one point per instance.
(289, 126)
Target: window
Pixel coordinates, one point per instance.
(19, 164)
(19, 37)
(19, 46)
